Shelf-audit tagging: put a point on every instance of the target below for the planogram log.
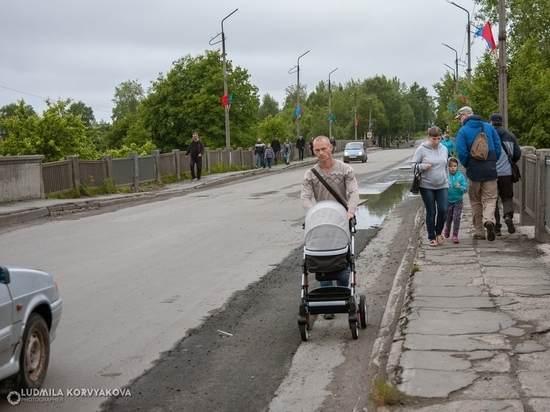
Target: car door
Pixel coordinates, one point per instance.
(6, 323)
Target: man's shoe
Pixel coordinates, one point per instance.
(510, 223)
(490, 226)
(328, 316)
(497, 230)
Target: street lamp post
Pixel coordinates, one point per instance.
(225, 89)
(469, 70)
(329, 106)
(299, 112)
(455, 75)
(456, 64)
(355, 98)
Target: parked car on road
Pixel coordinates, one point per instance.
(355, 151)
(30, 310)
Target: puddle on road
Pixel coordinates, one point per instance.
(380, 198)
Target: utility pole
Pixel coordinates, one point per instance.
(455, 76)
(355, 98)
(225, 89)
(469, 70)
(298, 109)
(502, 77)
(329, 106)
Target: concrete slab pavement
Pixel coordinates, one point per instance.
(474, 331)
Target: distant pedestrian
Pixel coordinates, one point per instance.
(333, 143)
(457, 188)
(300, 145)
(276, 145)
(196, 150)
(269, 154)
(511, 152)
(448, 143)
(482, 174)
(431, 159)
(287, 150)
(259, 148)
(311, 147)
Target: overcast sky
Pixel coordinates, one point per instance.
(83, 49)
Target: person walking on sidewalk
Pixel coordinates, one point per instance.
(301, 145)
(196, 149)
(341, 179)
(511, 152)
(276, 145)
(431, 158)
(287, 150)
(259, 148)
(448, 143)
(482, 174)
(269, 154)
(457, 188)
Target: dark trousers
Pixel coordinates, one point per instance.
(301, 153)
(198, 163)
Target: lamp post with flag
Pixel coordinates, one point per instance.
(226, 98)
(296, 69)
(330, 116)
(469, 69)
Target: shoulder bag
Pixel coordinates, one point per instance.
(415, 186)
(516, 174)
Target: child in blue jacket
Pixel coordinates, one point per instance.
(457, 188)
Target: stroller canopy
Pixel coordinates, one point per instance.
(326, 227)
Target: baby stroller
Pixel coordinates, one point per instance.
(329, 249)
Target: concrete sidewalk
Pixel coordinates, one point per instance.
(474, 331)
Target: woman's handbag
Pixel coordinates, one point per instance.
(415, 187)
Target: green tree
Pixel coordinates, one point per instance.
(56, 134)
(271, 127)
(127, 98)
(188, 99)
(86, 113)
(269, 106)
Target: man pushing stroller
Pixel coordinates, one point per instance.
(335, 180)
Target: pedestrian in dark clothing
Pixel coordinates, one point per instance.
(276, 146)
(333, 143)
(504, 170)
(196, 150)
(300, 145)
(311, 147)
(259, 148)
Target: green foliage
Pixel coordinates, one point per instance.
(385, 394)
(56, 134)
(224, 168)
(124, 151)
(269, 106)
(270, 128)
(188, 99)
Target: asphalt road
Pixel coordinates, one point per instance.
(147, 289)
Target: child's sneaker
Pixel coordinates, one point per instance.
(447, 233)
(455, 239)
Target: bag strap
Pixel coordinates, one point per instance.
(506, 151)
(330, 189)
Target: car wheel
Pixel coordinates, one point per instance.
(35, 353)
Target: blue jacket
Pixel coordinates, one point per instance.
(448, 143)
(478, 170)
(455, 194)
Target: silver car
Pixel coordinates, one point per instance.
(30, 310)
(355, 151)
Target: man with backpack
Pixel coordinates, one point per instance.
(478, 147)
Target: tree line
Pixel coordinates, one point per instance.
(188, 98)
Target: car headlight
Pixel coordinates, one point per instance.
(360, 154)
(346, 154)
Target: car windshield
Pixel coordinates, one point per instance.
(354, 146)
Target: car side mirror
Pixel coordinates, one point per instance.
(4, 275)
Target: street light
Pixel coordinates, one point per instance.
(455, 75)
(329, 106)
(298, 111)
(456, 63)
(225, 91)
(469, 70)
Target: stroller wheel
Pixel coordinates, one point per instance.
(304, 332)
(363, 311)
(354, 329)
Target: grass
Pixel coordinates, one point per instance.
(385, 394)
(107, 187)
(415, 269)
